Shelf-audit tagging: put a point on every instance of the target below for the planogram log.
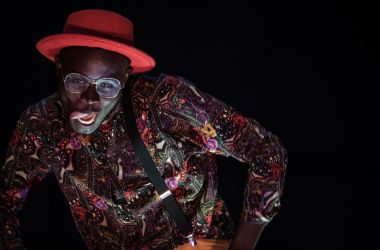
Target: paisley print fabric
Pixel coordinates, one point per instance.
(112, 201)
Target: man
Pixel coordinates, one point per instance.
(80, 134)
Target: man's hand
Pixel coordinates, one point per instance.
(246, 236)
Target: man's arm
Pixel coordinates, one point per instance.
(247, 236)
(20, 170)
(226, 132)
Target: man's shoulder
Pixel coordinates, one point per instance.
(166, 79)
(164, 84)
(153, 87)
(44, 109)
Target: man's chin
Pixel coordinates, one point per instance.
(81, 128)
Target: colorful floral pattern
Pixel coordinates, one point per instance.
(112, 201)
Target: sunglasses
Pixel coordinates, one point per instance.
(105, 87)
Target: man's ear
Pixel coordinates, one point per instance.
(129, 69)
(126, 76)
(58, 66)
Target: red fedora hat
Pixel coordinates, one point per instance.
(101, 29)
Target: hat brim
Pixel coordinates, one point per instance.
(51, 45)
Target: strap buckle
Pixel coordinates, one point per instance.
(165, 194)
(191, 239)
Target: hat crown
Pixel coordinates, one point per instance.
(101, 23)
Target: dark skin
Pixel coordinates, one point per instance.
(247, 236)
(94, 63)
(97, 63)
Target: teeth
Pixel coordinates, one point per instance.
(84, 118)
(87, 119)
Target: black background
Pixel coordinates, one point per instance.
(301, 68)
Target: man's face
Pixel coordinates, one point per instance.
(86, 110)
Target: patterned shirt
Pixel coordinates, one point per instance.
(183, 129)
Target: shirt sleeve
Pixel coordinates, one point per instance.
(227, 132)
(20, 170)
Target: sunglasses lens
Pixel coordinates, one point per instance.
(76, 83)
(108, 87)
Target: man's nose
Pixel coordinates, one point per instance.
(90, 95)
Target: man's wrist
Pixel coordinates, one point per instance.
(247, 236)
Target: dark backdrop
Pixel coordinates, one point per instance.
(301, 68)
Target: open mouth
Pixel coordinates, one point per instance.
(83, 118)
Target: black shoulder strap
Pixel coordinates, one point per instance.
(151, 170)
